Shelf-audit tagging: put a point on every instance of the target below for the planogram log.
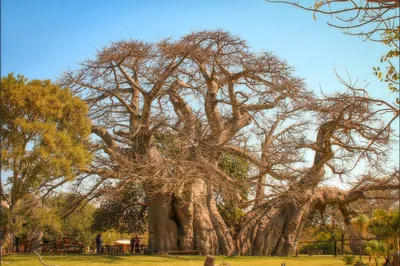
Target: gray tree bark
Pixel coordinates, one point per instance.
(272, 230)
(188, 220)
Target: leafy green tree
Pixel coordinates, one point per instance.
(360, 223)
(44, 132)
(375, 250)
(121, 209)
(385, 225)
(324, 240)
(237, 168)
(77, 225)
(35, 221)
(326, 220)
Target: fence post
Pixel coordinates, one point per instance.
(334, 247)
(342, 244)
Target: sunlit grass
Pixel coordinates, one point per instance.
(128, 260)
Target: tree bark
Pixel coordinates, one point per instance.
(209, 261)
(274, 228)
(271, 230)
(188, 220)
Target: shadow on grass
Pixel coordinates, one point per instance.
(85, 258)
(186, 258)
(127, 259)
(94, 258)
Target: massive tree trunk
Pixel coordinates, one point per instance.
(188, 220)
(272, 229)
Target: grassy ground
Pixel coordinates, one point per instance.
(129, 260)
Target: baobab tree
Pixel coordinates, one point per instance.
(164, 113)
(350, 130)
(202, 90)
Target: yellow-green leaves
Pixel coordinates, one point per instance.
(371, 20)
(391, 38)
(44, 131)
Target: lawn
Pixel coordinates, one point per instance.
(129, 260)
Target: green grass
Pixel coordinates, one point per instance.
(129, 260)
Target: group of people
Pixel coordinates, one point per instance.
(135, 244)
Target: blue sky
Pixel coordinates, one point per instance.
(39, 38)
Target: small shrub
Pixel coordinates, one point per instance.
(349, 259)
(360, 263)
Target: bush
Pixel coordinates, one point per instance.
(349, 259)
(326, 247)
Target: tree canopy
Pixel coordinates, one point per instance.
(44, 135)
(121, 209)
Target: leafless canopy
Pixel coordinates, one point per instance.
(163, 113)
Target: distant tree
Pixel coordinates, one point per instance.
(237, 168)
(44, 130)
(374, 20)
(122, 209)
(360, 222)
(385, 225)
(326, 221)
(35, 221)
(77, 226)
(375, 249)
(323, 241)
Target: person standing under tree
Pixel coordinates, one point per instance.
(132, 244)
(98, 243)
(137, 244)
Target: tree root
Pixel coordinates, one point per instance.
(41, 260)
